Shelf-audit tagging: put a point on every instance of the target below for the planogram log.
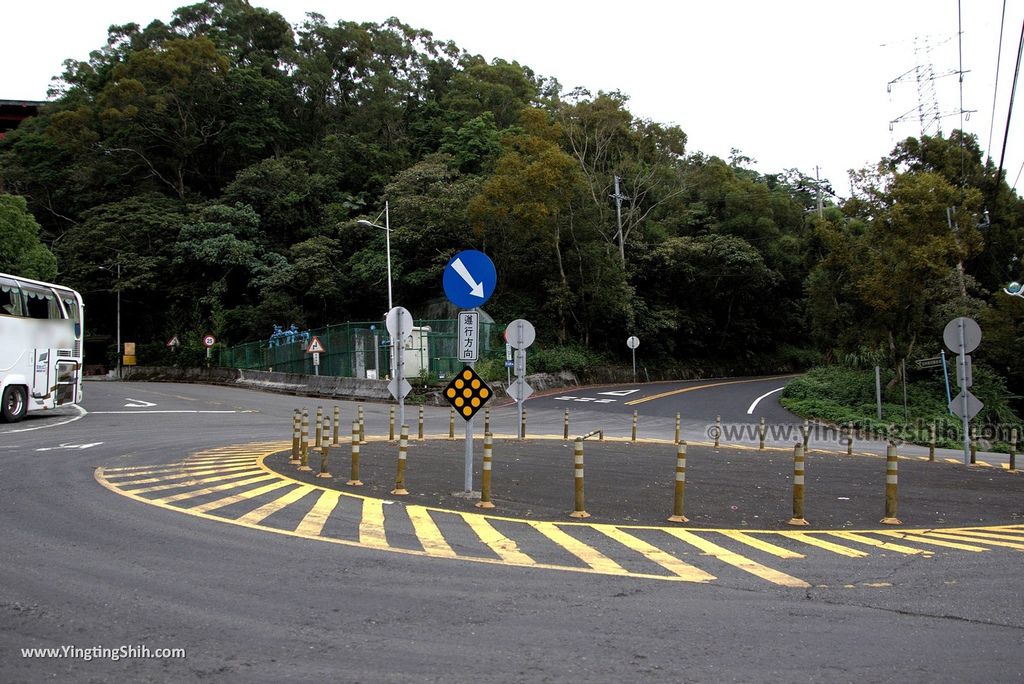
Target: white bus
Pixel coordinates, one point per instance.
(40, 346)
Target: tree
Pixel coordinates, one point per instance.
(607, 142)
(21, 252)
(888, 266)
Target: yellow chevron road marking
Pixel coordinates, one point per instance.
(656, 555)
(193, 481)
(266, 510)
(244, 496)
(736, 560)
(206, 470)
(934, 542)
(213, 490)
(822, 544)
(589, 555)
(980, 538)
(313, 522)
(371, 527)
(760, 544)
(239, 472)
(428, 533)
(888, 546)
(505, 548)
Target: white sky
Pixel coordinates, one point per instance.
(791, 83)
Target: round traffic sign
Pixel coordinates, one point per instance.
(971, 334)
(633, 342)
(469, 279)
(399, 322)
(520, 333)
(209, 340)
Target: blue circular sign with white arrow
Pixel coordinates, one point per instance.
(469, 279)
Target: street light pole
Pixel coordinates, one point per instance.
(387, 247)
(387, 244)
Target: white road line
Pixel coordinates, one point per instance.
(82, 413)
(758, 400)
(159, 411)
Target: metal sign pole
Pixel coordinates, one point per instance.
(468, 479)
(634, 364)
(399, 363)
(965, 393)
(519, 347)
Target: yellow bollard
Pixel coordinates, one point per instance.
(578, 511)
(633, 434)
(451, 425)
(362, 426)
(419, 432)
(303, 438)
(296, 435)
(565, 427)
(718, 430)
(931, 442)
(324, 449)
(304, 457)
(337, 423)
(680, 493)
(391, 423)
(849, 439)
(522, 427)
(891, 483)
(798, 486)
(319, 425)
(760, 434)
(974, 445)
(403, 448)
(354, 480)
(487, 420)
(485, 480)
(1013, 449)
(679, 425)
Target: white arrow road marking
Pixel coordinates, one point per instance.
(476, 289)
(620, 393)
(565, 398)
(605, 401)
(139, 403)
(70, 446)
(758, 400)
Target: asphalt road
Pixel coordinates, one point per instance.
(86, 567)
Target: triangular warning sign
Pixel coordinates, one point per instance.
(315, 346)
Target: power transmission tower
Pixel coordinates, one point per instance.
(927, 111)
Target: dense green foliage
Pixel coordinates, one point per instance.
(843, 395)
(21, 252)
(223, 160)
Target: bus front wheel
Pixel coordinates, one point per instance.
(14, 404)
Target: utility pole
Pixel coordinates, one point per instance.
(618, 197)
(817, 177)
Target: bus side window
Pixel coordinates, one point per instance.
(40, 303)
(10, 298)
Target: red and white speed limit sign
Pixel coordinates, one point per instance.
(209, 341)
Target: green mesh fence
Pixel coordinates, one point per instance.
(362, 350)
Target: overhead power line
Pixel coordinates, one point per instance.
(995, 90)
(1009, 111)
